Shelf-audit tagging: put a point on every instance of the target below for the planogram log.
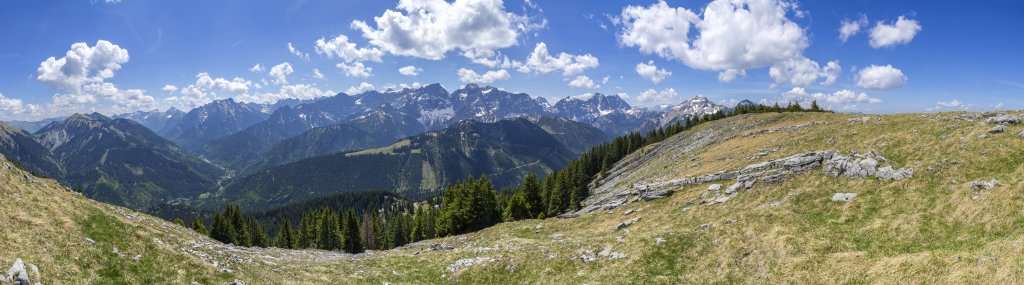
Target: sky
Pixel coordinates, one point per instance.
(109, 56)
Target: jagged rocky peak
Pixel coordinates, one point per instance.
(692, 108)
(591, 103)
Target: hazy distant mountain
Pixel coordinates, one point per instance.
(212, 121)
(157, 121)
(122, 162)
(505, 151)
(33, 126)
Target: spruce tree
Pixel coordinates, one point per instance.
(531, 190)
(198, 226)
(353, 242)
(180, 222)
(285, 235)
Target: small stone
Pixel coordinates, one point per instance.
(658, 241)
(626, 223)
(538, 228)
(997, 129)
(237, 282)
(982, 136)
(706, 226)
(843, 197)
(715, 187)
(984, 185)
(17, 272)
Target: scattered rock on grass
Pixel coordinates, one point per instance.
(843, 197)
(626, 223)
(997, 129)
(1004, 119)
(984, 185)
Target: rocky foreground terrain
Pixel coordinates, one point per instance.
(766, 198)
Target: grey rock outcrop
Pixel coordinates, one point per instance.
(1004, 119)
(843, 197)
(858, 166)
(997, 129)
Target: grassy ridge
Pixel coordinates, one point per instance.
(932, 228)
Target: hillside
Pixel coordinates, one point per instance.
(121, 162)
(421, 165)
(935, 226)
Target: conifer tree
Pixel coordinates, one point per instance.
(285, 235)
(353, 242)
(198, 226)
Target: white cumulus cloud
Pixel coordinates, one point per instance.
(652, 97)
(881, 77)
(340, 47)
(730, 34)
(849, 28)
(844, 99)
(317, 74)
(362, 87)
(10, 106)
(900, 32)
(256, 68)
(729, 75)
(541, 61)
(583, 82)
(280, 72)
(410, 70)
(651, 72)
(82, 64)
(170, 88)
(206, 89)
(356, 69)
(470, 76)
(431, 28)
(296, 91)
(803, 71)
(297, 52)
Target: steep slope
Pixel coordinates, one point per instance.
(421, 165)
(22, 148)
(213, 121)
(317, 142)
(577, 137)
(933, 228)
(121, 162)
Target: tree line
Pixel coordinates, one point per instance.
(469, 205)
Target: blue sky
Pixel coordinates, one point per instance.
(907, 56)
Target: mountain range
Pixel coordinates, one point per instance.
(420, 133)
